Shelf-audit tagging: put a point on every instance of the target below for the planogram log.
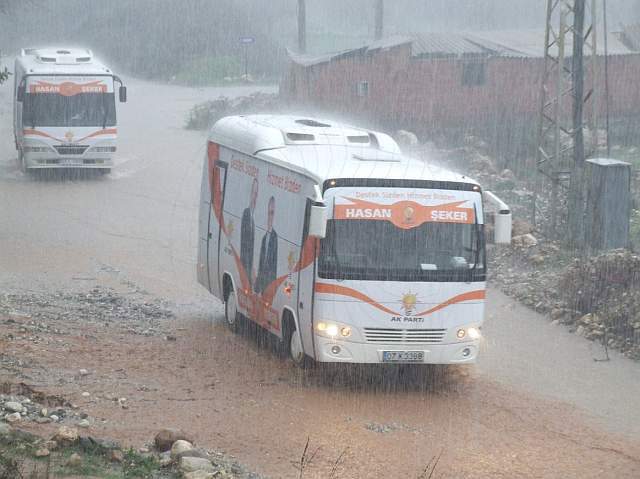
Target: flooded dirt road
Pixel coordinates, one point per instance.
(537, 405)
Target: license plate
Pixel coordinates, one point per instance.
(402, 356)
(68, 161)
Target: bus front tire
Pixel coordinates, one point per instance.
(231, 315)
(293, 345)
(21, 164)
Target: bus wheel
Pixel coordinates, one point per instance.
(231, 315)
(293, 344)
(21, 163)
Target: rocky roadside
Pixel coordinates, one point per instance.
(36, 325)
(59, 312)
(70, 453)
(596, 296)
(203, 115)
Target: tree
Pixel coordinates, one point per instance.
(302, 26)
(379, 19)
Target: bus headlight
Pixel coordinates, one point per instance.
(333, 330)
(471, 332)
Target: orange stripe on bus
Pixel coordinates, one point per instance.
(461, 298)
(107, 131)
(344, 291)
(479, 294)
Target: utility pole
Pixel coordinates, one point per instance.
(560, 122)
(379, 19)
(576, 192)
(302, 26)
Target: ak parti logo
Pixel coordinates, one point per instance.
(409, 301)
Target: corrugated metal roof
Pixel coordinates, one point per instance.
(530, 43)
(389, 42)
(502, 43)
(630, 35)
(445, 45)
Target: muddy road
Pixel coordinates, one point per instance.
(537, 404)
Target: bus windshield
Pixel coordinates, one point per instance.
(378, 250)
(84, 109)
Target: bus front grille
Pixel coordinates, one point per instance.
(71, 150)
(418, 336)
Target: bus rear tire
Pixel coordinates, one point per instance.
(231, 315)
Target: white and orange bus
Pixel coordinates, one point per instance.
(64, 113)
(329, 238)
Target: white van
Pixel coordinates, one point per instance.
(64, 113)
(328, 237)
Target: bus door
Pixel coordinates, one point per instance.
(305, 286)
(218, 176)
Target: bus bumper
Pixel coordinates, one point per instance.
(48, 162)
(334, 351)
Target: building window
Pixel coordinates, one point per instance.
(362, 88)
(473, 74)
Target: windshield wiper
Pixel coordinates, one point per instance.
(338, 269)
(476, 229)
(106, 112)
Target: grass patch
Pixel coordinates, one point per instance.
(17, 461)
(210, 70)
(135, 465)
(92, 465)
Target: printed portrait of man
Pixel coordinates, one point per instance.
(268, 264)
(247, 232)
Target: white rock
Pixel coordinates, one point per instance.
(13, 406)
(84, 424)
(191, 464)
(199, 475)
(42, 452)
(179, 447)
(44, 412)
(525, 240)
(86, 394)
(84, 372)
(66, 435)
(54, 418)
(13, 417)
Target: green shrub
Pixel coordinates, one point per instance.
(208, 70)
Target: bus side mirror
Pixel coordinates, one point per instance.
(318, 221)
(502, 231)
(122, 93)
(20, 94)
(502, 218)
